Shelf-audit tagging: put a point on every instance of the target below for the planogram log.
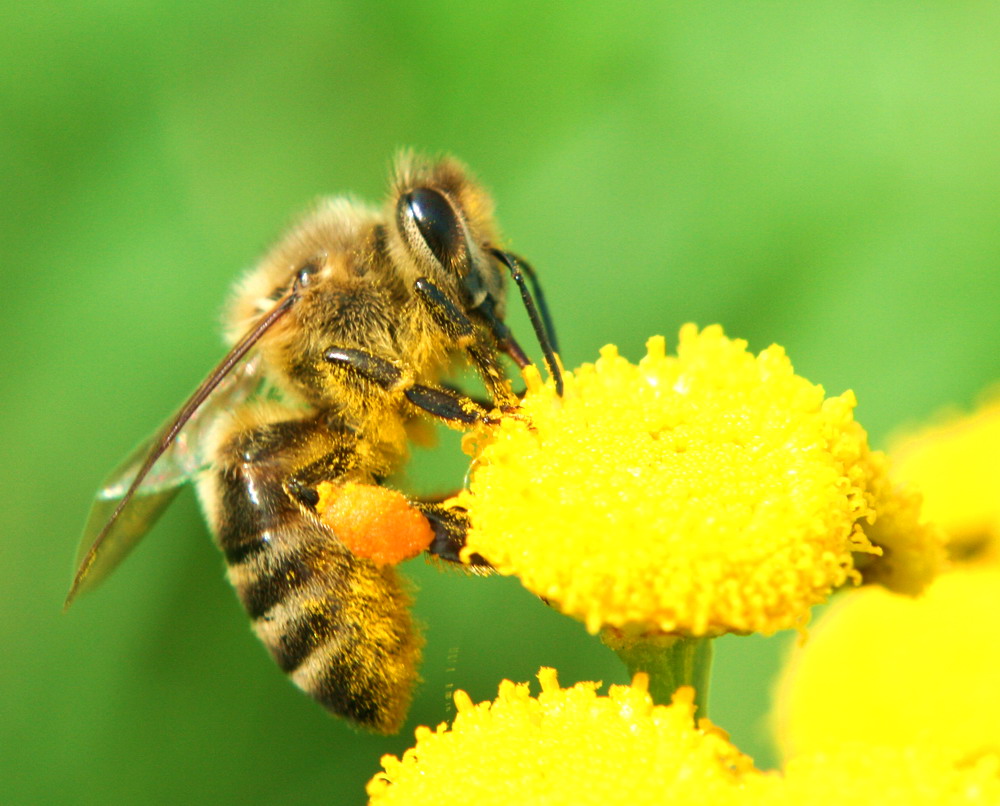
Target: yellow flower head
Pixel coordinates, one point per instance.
(572, 746)
(861, 774)
(900, 671)
(956, 465)
(567, 746)
(710, 492)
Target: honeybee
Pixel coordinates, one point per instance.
(341, 338)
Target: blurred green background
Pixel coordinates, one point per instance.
(823, 175)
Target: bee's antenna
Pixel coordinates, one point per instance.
(542, 324)
(543, 308)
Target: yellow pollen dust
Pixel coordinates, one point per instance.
(715, 491)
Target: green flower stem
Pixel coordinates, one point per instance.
(670, 662)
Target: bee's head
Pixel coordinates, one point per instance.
(444, 223)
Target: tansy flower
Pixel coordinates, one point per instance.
(711, 492)
(899, 671)
(567, 746)
(955, 463)
(924, 671)
(572, 746)
(860, 774)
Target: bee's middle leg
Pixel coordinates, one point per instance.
(445, 404)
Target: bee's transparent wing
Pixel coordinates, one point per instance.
(185, 456)
(113, 529)
(134, 497)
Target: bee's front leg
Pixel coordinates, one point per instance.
(464, 333)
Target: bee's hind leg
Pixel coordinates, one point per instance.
(450, 525)
(333, 622)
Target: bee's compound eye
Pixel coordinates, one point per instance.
(435, 220)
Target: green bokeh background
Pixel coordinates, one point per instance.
(825, 175)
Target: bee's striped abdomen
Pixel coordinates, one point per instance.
(337, 624)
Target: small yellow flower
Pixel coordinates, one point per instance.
(956, 465)
(915, 671)
(900, 671)
(572, 746)
(711, 492)
(860, 774)
(567, 746)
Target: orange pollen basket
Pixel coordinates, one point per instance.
(374, 522)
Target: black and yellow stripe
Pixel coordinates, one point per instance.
(338, 625)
